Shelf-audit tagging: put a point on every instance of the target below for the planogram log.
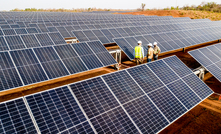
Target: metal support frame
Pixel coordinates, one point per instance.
(117, 55)
(200, 72)
(71, 40)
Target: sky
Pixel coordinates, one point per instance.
(7, 5)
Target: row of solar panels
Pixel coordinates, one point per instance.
(66, 30)
(210, 58)
(169, 41)
(142, 99)
(107, 35)
(64, 23)
(28, 66)
(13, 42)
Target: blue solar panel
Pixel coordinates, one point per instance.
(55, 110)
(94, 96)
(9, 32)
(124, 45)
(101, 36)
(114, 121)
(200, 57)
(123, 86)
(87, 55)
(108, 35)
(14, 118)
(14, 42)
(52, 29)
(80, 36)
(105, 57)
(63, 32)
(3, 44)
(90, 35)
(147, 117)
(30, 40)
(170, 106)
(83, 128)
(210, 55)
(163, 71)
(57, 38)
(145, 78)
(51, 63)
(115, 33)
(28, 66)
(21, 31)
(70, 58)
(44, 39)
(32, 30)
(129, 32)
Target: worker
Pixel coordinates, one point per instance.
(156, 51)
(139, 53)
(149, 52)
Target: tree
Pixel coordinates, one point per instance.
(143, 6)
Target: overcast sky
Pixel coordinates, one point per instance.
(108, 4)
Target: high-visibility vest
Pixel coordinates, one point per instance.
(138, 52)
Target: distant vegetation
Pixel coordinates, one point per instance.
(209, 6)
(66, 10)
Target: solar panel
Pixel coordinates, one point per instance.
(3, 44)
(90, 35)
(9, 32)
(108, 35)
(101, 36)
(51, 63)
(115, 33)
(63, 32)
(52, 29)
(55, 110)
(43, 28)
(21, 31)
(125, 46)
(44, 39)
(28, 66)
(14, 42)
(9, 77)
(31, 30)
(70, 59)
(105, 57)
(14, 118)
(87, 55)
(210, 58)
(30, 40)
(57, 38)
(80, 36)
(14, 26)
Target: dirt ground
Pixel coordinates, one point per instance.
(180, 13)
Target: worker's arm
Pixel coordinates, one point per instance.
(142, 52)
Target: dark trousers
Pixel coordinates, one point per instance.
(149, 60)
(155, 57)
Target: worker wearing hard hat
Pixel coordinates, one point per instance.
(149, 52)
(139, 53)
(156, 51)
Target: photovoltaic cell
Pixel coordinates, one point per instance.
(94, 97)
(184, 93)
(21, 31)
(30, 40)
(146, 115)
(3, 44)
(31, 30)
(63, 32)
(57, 38)
(14, 42)
(51, 62)
(123, 86)
(44, 39)
(70, 59)
(90, 35)
(114, 121)
(168, 105)
(55, 110)
(9, 32)
(145, 78)
(87, 55)
(108, 35)
(28, 67)
(163, 71)
(128, 50)
(80, 36)
(101, 36)
(14, 118)
(83, 128)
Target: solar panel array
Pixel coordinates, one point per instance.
(33, 65)
(135, 100)
(210, 58)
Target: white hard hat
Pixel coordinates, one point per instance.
(139, 42)
(155, 43)
(150, 44)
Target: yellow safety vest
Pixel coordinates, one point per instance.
(138, 52)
